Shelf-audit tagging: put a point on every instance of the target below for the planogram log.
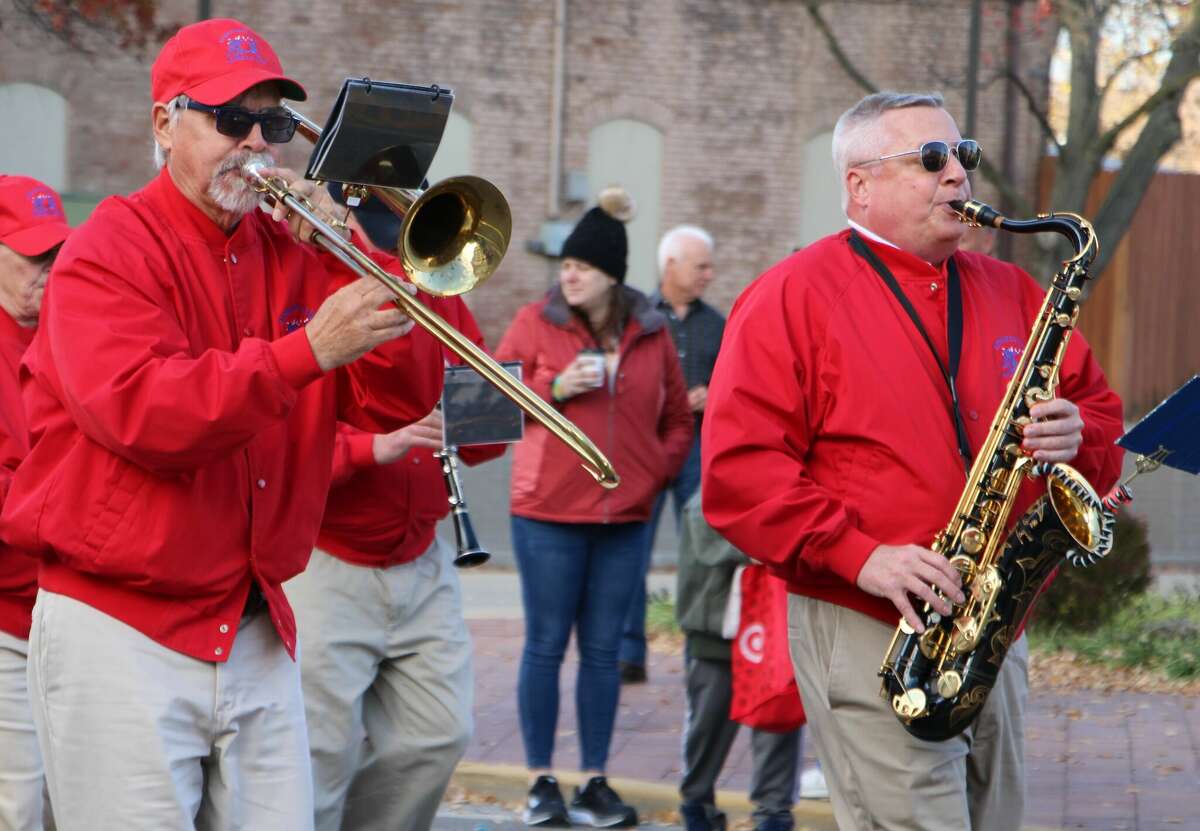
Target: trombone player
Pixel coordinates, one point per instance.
(387, 654)
(194, 356)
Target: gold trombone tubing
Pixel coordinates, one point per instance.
(594, 462)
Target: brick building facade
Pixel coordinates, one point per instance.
(735, 88)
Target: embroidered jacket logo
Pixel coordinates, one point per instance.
(294, 317)
(1009, 350)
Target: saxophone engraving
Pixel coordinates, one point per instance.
(938, 681)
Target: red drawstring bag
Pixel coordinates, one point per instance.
(765, 695)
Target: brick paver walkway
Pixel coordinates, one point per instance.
(1108, 762)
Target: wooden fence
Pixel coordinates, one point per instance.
(1143, 315)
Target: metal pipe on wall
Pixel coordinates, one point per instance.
(557, 106)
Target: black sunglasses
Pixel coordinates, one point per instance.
(936, 154)
(278, 126)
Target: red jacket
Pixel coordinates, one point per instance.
(828, 429)
(642, 423)
(18, 571)
(182, 431)
(379, 516)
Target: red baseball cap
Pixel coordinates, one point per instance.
(31, 216)
(215, 61)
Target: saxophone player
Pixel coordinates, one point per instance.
(855, 381)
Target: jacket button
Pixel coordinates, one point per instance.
(219, 651)
(247, 331)
(262, 483)
(233, 258)
(224, 627)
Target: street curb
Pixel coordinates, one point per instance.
(509, 783)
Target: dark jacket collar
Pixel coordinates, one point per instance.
(649, 318)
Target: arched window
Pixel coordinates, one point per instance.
(630, 154)
(821, 211)
(33, 133)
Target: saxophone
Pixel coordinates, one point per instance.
(938, 680)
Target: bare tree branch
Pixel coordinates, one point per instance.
(1034, 109)
(1169, 90)
(1125, 63)
(814, 11)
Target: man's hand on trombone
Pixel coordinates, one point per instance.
(323, 204)
(351, 322)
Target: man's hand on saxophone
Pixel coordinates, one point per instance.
(898, 571)
(1056, 431)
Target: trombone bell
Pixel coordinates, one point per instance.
(453, 234)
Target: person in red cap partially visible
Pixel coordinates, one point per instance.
(32, 227)
(193, 359)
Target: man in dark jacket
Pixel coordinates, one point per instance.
(707, 565)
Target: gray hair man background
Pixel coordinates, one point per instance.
(685, 267)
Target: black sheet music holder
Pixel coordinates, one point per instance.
(381, 133)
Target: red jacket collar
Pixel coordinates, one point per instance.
(188, 220)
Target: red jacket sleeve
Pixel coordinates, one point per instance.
(354, 448)
(520, 344)
(763, 411)
(1082, 382)
(131, 385)
(676, 424)
(397, 382)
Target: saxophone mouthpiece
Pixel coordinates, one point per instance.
(977, 213)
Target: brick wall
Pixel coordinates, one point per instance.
(736, 86)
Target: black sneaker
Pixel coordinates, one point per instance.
(599, 806)
(545, 805)
(631, 673)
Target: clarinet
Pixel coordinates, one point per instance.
(470, 552)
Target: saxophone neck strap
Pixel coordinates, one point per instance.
(954, 331)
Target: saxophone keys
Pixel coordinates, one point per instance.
(1074, 292)
(1064, 320)
(972, 540)
(1034, 395)
(909, 704)
(949, 683)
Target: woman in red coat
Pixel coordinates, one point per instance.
(596, 349)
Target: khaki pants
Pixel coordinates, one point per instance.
(881, 778)
(388, 687)
(21, 777)
(138, 736)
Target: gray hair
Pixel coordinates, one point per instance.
(855, 137)
(668, 246)
(175, 108)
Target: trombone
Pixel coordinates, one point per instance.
(452, 238)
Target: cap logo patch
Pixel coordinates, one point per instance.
(44, 204)
(241, 45)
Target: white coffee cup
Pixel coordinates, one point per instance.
(593, 361)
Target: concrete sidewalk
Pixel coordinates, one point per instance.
(1094, 761)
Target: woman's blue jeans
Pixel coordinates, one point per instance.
(578, 576)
